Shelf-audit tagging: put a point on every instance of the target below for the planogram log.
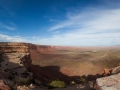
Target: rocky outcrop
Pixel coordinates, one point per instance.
(108, 83)
(15, 54)
(111, 71)
(14, 61)
(111, 82)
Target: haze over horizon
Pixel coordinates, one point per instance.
(61, 22)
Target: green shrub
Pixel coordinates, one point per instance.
(57, 84)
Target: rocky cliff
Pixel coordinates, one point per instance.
(14, 62)
(15, 56)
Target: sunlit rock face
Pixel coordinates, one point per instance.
(108, 83)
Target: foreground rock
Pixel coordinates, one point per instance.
(108, 83)
(3, 86)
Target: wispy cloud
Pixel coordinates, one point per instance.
(12, 26)
(51, 19)
(93, 19)
(89, 27)
(9, 27)
(8, 11)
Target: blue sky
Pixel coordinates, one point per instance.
(61, 22)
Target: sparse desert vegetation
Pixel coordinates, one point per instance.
(57, 84)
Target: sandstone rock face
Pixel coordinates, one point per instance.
(3, 86)
(14, 61)
(108, 83)
(15, 58)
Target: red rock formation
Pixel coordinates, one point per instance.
(111, 71)
(107, 72)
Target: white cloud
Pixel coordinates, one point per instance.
(93, 27)
(94, 19)
(6, 38)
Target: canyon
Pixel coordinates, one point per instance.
(65, 63)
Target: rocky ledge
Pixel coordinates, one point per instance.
(111, 82)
